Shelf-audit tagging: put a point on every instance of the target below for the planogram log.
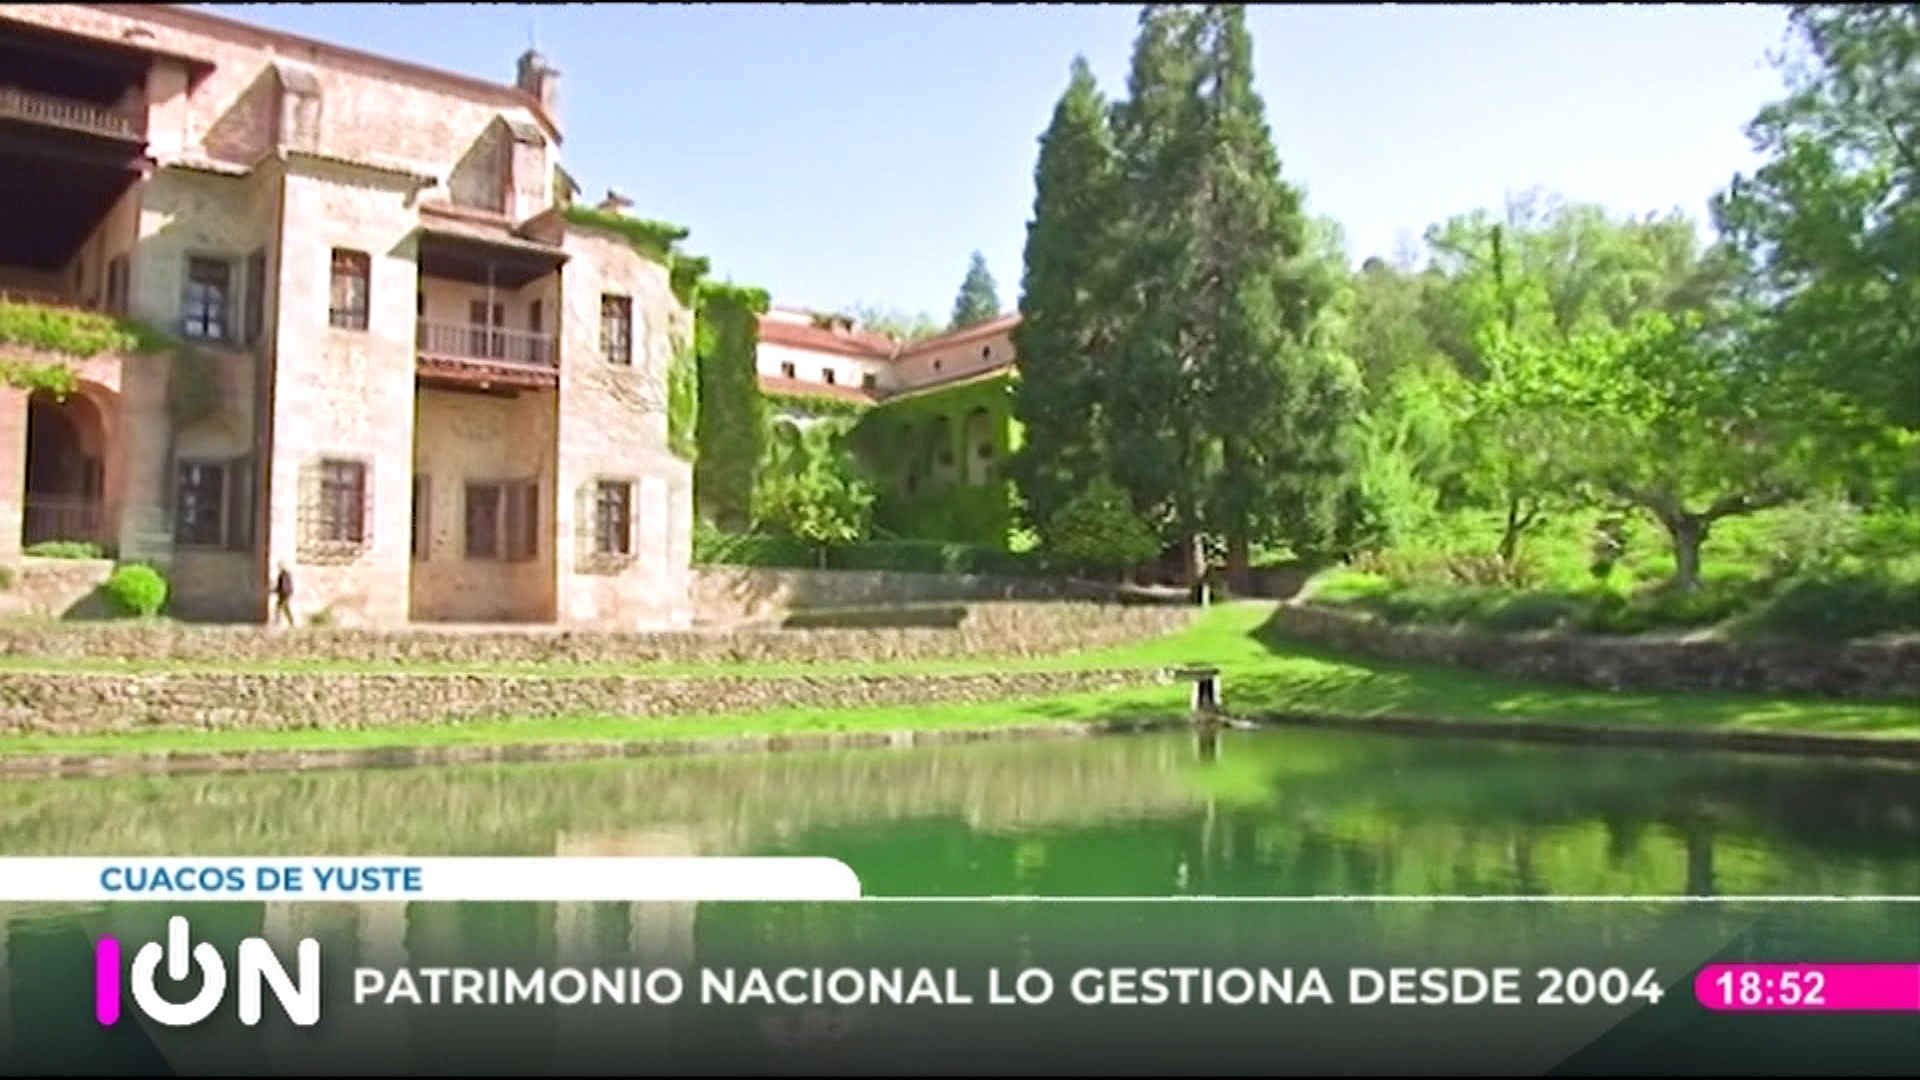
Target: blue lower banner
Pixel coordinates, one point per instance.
(1029, 986)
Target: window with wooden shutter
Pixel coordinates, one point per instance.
(522, 521)
(256, 297)
(241, 482)
(422, 518)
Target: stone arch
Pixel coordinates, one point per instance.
(981, 452)
(72, 481)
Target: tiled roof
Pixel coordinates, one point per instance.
(845, 342)
(869, 345)
(956, 337)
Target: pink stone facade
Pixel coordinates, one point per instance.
(404, 396)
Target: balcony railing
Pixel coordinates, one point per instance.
(456, 342)
(62, 517)
(55, 111)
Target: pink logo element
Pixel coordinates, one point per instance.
(106, 981)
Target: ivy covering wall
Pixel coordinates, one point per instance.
(193, 393)
(732, 411)
(894, 431)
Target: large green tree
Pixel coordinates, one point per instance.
(1683, 422)
(1066, 331)
(1152, 395)
(1830, 224)
(979, 298)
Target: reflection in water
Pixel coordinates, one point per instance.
(1247, 813)
(1220, 813)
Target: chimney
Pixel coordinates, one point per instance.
(539, 80)
(615, 203)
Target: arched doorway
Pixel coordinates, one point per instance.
(66, 470)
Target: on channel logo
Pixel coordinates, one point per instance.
(258, 969)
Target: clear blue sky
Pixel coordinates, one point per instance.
(857, 154)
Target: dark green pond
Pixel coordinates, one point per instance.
(1281, 813)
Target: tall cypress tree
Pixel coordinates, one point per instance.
(1150, 392)
(1066, 331)
(979, 299)
(1277, 403)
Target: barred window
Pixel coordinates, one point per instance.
(613, 518)
(352, 274)
(616, 329)
(343, 502)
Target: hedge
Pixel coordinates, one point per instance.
(711, 548)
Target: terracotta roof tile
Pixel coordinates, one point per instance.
(845, 342)
(985, 329)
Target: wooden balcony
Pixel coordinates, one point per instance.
(487, 357)
(50, 110)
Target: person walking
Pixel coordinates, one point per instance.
(283, 596)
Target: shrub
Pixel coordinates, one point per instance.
(65, 549)
(1716, 601)
(1813, 536)
(1839, 605)
(138, 589)
(1098, 528)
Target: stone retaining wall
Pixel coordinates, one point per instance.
(731, 595)
(1857, 670)
(985, 630)
(100, 704)
(53, 588)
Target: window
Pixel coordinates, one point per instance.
(828, 375)
(352, 273)
(787, 370)
(936, 365)
(869, 381)
(503, 521)
(256, 286)
(986, 451)
(203, 311)
(422, 518)
(343, 502)
(483, 521)
(616, 329)
(986, 352)
(199, 487)
(420, 305)
(117, 285)
(536, 317)
(613, 518)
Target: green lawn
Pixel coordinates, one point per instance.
(1261, 675)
